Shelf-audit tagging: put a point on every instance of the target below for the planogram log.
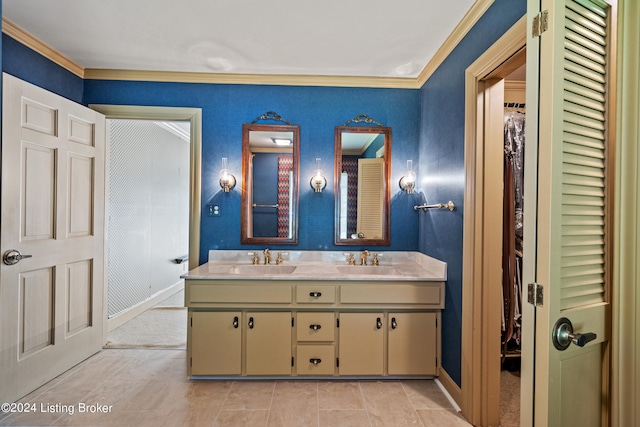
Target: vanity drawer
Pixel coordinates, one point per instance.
(257, 294)
(315, 294)
(393, 294)
(315, 359)
(316, 326)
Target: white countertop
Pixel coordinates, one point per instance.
(320, 265)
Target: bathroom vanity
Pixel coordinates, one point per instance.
(314, 315)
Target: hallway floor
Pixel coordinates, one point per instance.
(149, 387)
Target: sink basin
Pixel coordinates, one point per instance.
(369, 270)
(262, 270)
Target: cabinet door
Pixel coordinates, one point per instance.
(412, 344)
(268, 343)
(361, 341)
(215, 343)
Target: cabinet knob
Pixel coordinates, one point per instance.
(315, 294)
(394, 324)
(378, 323)
(315, 327)
(235, 322)
(250, 322)
(316, 362)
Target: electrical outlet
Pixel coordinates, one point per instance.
(213, 210)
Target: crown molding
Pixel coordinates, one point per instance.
(256, 79)
(468, 21)
(21, 36)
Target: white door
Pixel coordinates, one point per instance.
(52, 199)
(567, 223)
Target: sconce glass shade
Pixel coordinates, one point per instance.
(318, 181)
(227, 181)
(408, 181)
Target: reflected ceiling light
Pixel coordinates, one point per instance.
(281, 141)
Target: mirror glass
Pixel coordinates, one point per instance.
(270, 171)
(362, 192)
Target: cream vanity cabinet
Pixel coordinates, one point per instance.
(319, 328)
(219, 339)
(407, 341)
(230, 333)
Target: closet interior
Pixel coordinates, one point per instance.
(514, 122)
(512, 287)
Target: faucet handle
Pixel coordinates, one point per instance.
(350, 259)
(256, 259)
(375, 260)
(280, 259)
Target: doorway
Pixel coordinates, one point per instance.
(192, 117)
(148, 210)
(483, 300)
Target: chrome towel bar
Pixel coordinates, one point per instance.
(451, 206)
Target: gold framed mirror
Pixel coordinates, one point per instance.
(270, 184)
(362, 171)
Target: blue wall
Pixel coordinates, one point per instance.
(441, 166)
(20, 61)
(316, 109)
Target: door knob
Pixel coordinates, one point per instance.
(563, 335)
(13, 256)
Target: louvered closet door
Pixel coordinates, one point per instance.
(370, 197)
(573, 189)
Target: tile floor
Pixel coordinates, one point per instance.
(140, 387)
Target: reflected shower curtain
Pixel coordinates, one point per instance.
(512, 234)
(285, 175)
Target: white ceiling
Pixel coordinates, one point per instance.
(365, 38)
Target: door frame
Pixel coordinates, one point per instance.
(194, 116)
(480, 369)
(625, 388)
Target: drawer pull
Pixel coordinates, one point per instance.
(235, 322)
(316, 362)
(315, 294)
(378, 323)
(250, 322)
(315, 327)
(394, 324)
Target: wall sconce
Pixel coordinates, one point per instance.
(408, 181)
(227, 181)
(318, 181)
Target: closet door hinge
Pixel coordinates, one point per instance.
(535, 294)
(540, 24)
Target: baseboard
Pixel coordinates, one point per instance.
(125, 316)
(450, 389)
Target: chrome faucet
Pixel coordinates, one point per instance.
(267, 256)
(363, 257)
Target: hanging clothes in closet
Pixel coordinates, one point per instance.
(513, 199)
